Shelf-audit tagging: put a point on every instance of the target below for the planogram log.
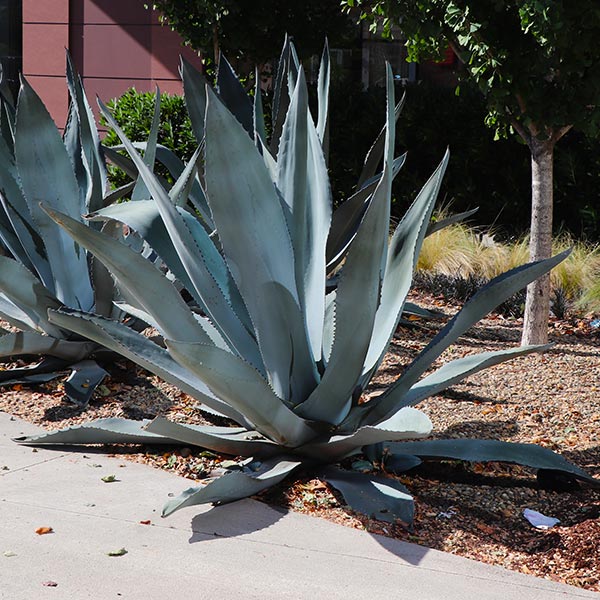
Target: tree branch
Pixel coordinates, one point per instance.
(561, 132)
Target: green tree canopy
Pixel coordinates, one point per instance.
(537, 63)
(254, 31)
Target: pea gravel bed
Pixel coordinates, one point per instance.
(473, 510)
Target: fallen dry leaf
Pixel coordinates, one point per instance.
(44, 530)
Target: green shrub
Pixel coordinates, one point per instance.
(133, 112)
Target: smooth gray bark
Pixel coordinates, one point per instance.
(537, 305)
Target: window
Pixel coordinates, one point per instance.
(11, 40)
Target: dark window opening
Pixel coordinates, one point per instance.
(11, 41)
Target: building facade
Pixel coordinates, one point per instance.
(115, 45)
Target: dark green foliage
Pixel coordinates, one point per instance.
(492, 175)
(252, 32)
(133, 111)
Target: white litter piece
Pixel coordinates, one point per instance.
(539, 520)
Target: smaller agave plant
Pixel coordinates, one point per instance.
(271, 345)
(45, 268)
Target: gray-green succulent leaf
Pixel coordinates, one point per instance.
(477, 450)
(382, 498)
(100, 431)
(235, 485)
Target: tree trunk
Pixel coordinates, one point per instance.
(216, 49)
(537, 305)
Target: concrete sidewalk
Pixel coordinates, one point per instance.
(246, 550)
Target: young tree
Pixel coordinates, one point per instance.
(254, 31)
(537, 62)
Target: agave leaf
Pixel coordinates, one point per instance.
(269, 161)
(72, 142)
(85, 376)
(423, 313)
(376, 151)
(117, 194)
(258, 111)
(235, 485)
(164, 155)
(194, 89)
(405, 424)
(11, 239)
(47, 176)
(29, 342)
(47, 369)
(485, 300)
(293, 69)
(529, 455)
(26, 292)
(6, 94)
(30, 249)
(176, 167)
(119, 160)
(236, 441)
(205, 323)
(403, 253)
(323, 99)
(181, 189)
(303, 181)
(90, 140)
(345, 222)
(237, 182)
(328, 326)
(104, 285)
(234, 96)
(142, 351)
(100, 431)
(242, 387)
(15, 316)
(437, 225)
(144, 218)
(456, 370)
(400, 463)
(7, 110)
(382, 498)
(201, 261)
(281, 97)
(140, 278)
(358, 289)
(347, 217)
(141, 192)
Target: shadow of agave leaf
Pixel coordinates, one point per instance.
(235, 519)
(279, 527)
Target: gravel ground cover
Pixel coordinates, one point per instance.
(473, 510)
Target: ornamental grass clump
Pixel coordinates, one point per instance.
(268, 343)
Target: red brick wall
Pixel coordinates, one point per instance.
(115, 45)
(45, 37)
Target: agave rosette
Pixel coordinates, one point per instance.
(46, 269)
(273, 347)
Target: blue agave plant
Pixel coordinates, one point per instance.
(270, 345)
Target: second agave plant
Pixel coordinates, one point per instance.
(272, 347)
